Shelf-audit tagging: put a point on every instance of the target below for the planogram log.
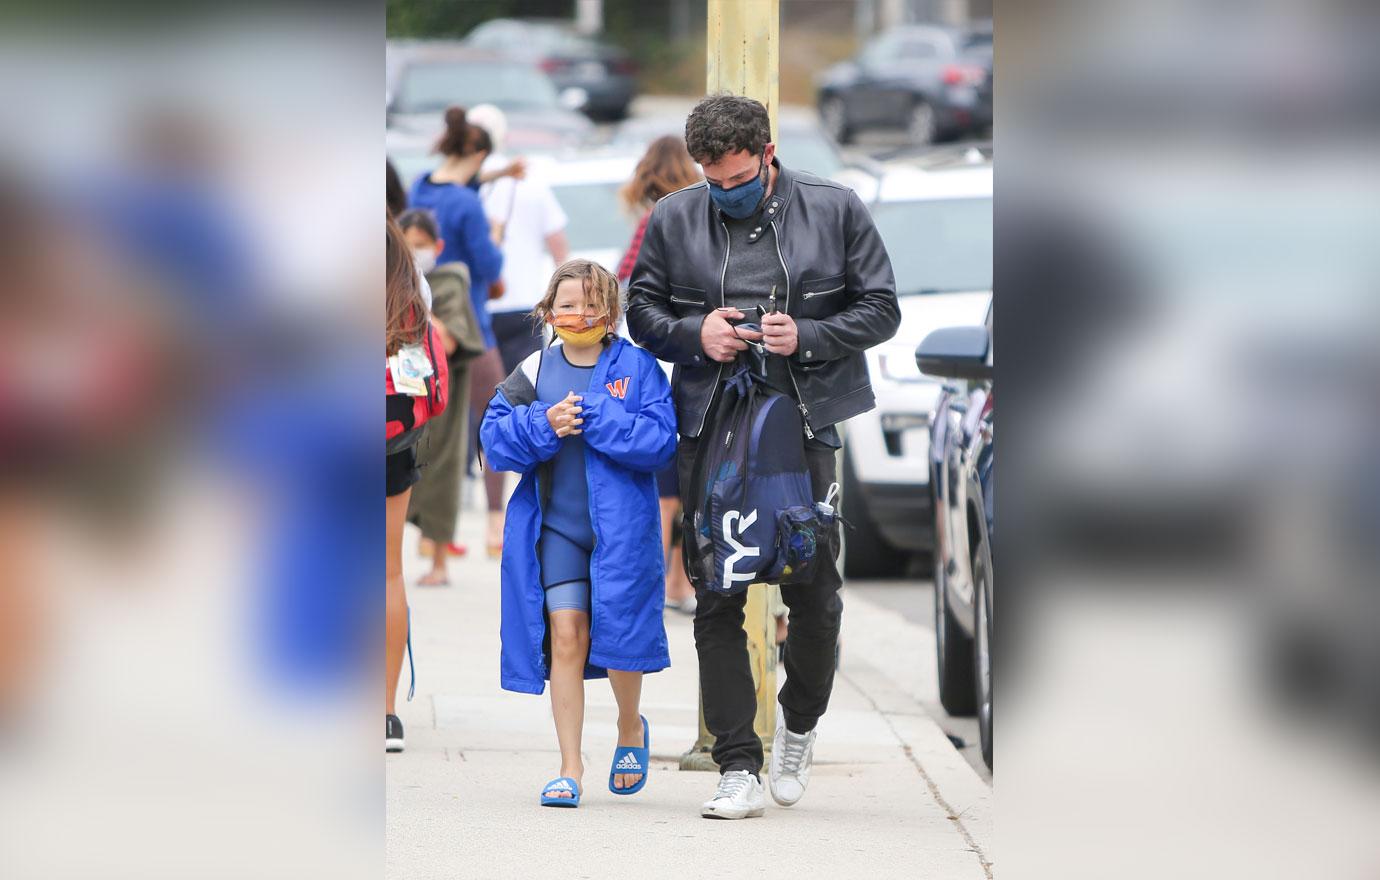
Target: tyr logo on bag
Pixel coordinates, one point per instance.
(740, 551)
(619, 389)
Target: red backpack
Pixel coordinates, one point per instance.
(405, 425)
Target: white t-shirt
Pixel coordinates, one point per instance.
(535, 214)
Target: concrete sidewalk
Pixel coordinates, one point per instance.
(889, 796)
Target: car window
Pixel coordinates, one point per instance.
(880, 51)
(432, 87)
(914, 49)
(938, 245)
(596, 218)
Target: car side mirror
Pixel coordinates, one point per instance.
(956, 353)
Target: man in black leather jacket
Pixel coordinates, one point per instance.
(805, 250)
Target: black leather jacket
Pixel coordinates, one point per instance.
(839, 288)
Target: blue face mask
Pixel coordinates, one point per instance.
(740, 201)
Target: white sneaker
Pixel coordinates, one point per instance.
(791, 756)
(740, 796)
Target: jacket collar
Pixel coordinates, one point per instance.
(780, 198)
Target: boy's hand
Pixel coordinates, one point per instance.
(565, 416)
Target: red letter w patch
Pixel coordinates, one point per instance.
(619, 389)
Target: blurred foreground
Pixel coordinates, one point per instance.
(190, 552)
(1187, 314)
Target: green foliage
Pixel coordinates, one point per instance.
(456, 18)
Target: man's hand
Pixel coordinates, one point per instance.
(779, 333)
(720, 340)
(565, 416)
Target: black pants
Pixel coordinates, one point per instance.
(730, 701)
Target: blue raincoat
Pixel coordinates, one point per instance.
(630, 433)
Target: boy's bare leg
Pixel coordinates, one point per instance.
(569, 651)
(627, 690)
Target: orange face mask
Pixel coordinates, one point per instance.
(578, 329)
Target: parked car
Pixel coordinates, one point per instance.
(936, 223)
(802, 143)
(933, 82)
(429, 76)
(961, 482)
(603, 74)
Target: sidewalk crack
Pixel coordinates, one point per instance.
(954, 816)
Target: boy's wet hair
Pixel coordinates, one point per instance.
(600, 286)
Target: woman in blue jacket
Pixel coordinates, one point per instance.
(587, 423)
(451, 193)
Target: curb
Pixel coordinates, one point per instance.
(952, 782)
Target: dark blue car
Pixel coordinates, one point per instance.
(961, 458)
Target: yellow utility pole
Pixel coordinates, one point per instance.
(743, 40)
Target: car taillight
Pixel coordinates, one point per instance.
(964, 75)
(623, 67)
(551, 65)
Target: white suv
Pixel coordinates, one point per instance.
(936, 221)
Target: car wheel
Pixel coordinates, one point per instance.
(982, 643)
(865, 553)
(923, 126)
(954, 653)
(834, 117)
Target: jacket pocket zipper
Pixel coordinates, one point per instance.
(688, 302)
(810, 293)
(800, 402)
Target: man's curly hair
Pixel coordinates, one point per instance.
(724, 123)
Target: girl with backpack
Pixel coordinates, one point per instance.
(415, 390)
(587, 422)
(435, 506)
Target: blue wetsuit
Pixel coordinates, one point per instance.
(567, 536)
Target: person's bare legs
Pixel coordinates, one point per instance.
(22, 619)
(569, 651)
(668, 522)
(493, 488)
(395, 610)
(678, 587)
(627, 690)
(486, 372)
(438, 576)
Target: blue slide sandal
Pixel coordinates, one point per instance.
(564, 784)
(630, 759)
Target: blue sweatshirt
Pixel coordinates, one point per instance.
(465, 230)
